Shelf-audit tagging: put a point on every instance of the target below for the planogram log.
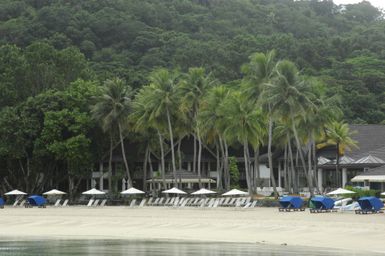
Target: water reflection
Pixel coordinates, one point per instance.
(147, 248)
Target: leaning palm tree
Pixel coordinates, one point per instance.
(111, 110)
(339, 134)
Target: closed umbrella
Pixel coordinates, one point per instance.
(15, 193)
(174, 191)
(132, 191)
(235, 192)
(203, 191)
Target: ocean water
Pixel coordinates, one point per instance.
(147, 248)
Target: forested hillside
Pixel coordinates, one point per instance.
(47, 44)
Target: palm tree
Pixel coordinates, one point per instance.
(191, 90)
(339, 134)
(163, 103)
(289, 97)
(259, 72)
(212, 123)
(111, 110)
(244, 124)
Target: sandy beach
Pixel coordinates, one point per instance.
(260, 225)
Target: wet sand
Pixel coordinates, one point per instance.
(346, 231)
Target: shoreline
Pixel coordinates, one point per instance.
(262, 226)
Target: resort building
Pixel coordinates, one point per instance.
(362, 166)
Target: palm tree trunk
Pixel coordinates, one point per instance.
(315, 164)
(195, 155)
(292, 169)
(270, 156)
(226, 164)
(247, 171)
(286, 181)
(256, 168)
(339, 178)
(145, 168)
(301, 156)
(219, 168)
(129, 181)
(179, 154)
(110, 165)
(172, 147)
(199, 159)
(162, 159)
(152, 173)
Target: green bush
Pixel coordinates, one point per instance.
(360, 192)
(234, 172)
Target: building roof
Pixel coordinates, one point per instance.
(370, 141)
(373, 175)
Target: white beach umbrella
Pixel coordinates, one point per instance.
(15, 193)
(383, 193)
(93, 191)
(203, 191)
(174, 191)
(54, 192)
(340, 191)
(132, 191)
(235, 192)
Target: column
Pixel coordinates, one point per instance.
(319, 178)
(189, 166)
(344, 177)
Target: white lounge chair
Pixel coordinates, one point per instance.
(96, 203)
(103, 203)
(57, 203)
(65, 203)
(160, 202)
(216, 203)
(133, 203)
(90, 203)
(22, 203)
(143, 202)
(16, 203)
(155, 202)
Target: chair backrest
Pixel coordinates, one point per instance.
(156, 201)
(133, 202)
(167, 201)
(65, 203)
(16, 203)
(216, 203)
(176, 202)
(90, 202)
(226, 202)
(253, 204)
(211, 203)
(57, 203)
(149, 202)
(142, 202)
(96, 203)
(221, 200)
(232, 201)
(248, 200)
(22, 203)
(161, 200)
(103, 203)
(184, 203)
(238, 202)
(171, 201)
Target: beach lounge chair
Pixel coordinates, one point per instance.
(239, 202)
(226, 201)
(291, 203)
(155, 202)
(176, 202)
(133, 203)
(195, 201)
(203, 202)
(160, 202)
(188, 201)
(322, 204)
(171, 202)
(96, 203)
(65, 203)
(246, 201)
(167, 202)
(36, 200)
(57, 203)
(143, 202)
(103, 203)
(16, 203)
(90, 203)
(184, 203)
(211, 203)
(250, 204)
(216, 203)
(22, 203)
(2, 203)
(149, 202)
(232, 202)
(370, 204)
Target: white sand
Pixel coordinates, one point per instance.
(260, 225)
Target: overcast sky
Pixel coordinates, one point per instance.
(377, 3)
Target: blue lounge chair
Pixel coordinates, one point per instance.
(322, 204)
(2, 203)
(291, 203)
(370, 204)
(35, 200)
